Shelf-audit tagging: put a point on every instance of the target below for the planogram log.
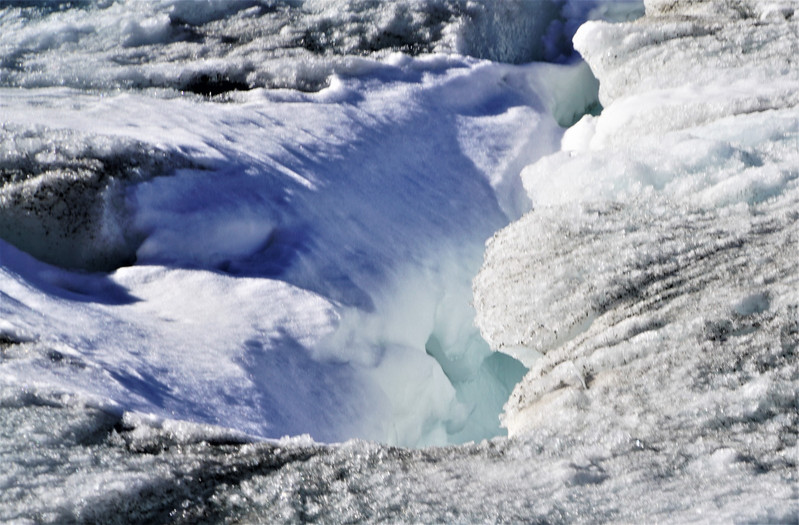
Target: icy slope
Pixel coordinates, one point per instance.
(278, 261)
(79, 464)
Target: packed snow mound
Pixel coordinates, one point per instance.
(212, 47)
(697, 109)
(743, 159)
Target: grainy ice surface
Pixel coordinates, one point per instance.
(653, 290)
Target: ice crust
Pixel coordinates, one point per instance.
(63, 193)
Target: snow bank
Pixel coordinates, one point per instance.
(302, 261)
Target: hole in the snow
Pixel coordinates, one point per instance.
(570, 92)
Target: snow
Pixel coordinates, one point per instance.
(651, 290)
(236, 231)
(109, 469)
(212, 47)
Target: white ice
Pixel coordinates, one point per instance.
(207, 45)
(652, 289)
(302, 260)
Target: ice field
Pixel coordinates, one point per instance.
(412, 261)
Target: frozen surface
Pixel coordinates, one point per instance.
(213, 47)
(220, 263)
(278, 261)
(76, 463)
(294, 253)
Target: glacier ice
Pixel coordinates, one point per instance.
(651, 290)
(63, 193)
(211, 47)
(288, 247)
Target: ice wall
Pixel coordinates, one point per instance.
(653, 288)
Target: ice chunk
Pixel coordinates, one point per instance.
(749, 159)
(684, 59)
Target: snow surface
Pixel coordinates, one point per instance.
(212, 47)
(219, 263)
(312, 243)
